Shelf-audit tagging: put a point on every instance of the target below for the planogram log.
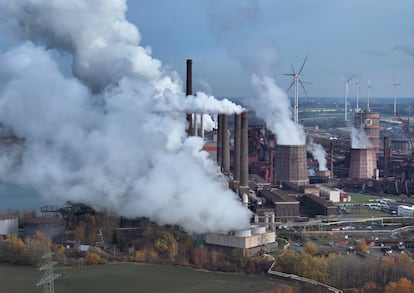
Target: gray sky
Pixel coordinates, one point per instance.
(229, 40)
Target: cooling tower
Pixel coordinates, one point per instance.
(291, 165)
(363, 163)
(370, 122)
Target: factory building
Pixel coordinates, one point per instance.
(258, 183)
(402, 145)
(9, 224)
(251, 241)
(334, 195)
(314, 205)
(52, 227)
(284, 206)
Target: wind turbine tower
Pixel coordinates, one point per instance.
(357, 95)
(395, 84)
(369, 88)
(296, 81)
(346, 82)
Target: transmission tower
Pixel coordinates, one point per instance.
(47, 280)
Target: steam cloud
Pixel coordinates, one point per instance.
(271, 103)
(273, 106)
(318, 154)
(359, 139)
(108, 136)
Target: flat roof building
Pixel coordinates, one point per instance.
(285, 206)
(251, 241)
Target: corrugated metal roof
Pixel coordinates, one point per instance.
(7, 216)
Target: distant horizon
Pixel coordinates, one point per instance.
(230, 40)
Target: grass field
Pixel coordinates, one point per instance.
(364, 198)
(128, 277)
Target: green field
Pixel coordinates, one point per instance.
(365, 198)
(129, 277)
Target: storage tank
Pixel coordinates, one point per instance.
(243, 233)
(9, 224)
(363, 163)
(54, 228)
(291, 164)
(258, 229)
(370, 122)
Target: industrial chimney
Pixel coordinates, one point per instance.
(219, 138)
(189, 92)
(244, 154)
(237, 145)
(225, 146)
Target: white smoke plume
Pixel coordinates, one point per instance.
(107, 136)
(273, 105)
(359, 139)
(235, 22)
(318, 154)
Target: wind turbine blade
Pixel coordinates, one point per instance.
(306, 82)
(349, 79)
(301, 84)
(293, 82)
(303, 64)
(293, 68)
(289, 74)
(396, 83)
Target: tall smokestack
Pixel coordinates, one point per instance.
(331, 158)
(386, 157)
(244, 154)
(219, 138)
(237, 144)
(225, 149)
(189, 92)
(202, 125)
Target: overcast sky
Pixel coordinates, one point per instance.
(229, 40)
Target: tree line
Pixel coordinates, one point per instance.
(356, 273)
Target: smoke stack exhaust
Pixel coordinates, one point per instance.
(244, 154)
(189, 92)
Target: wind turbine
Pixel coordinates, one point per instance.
(395, 84)
(369, 88)
(346, 81)
(357, 94)
(296, 81)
